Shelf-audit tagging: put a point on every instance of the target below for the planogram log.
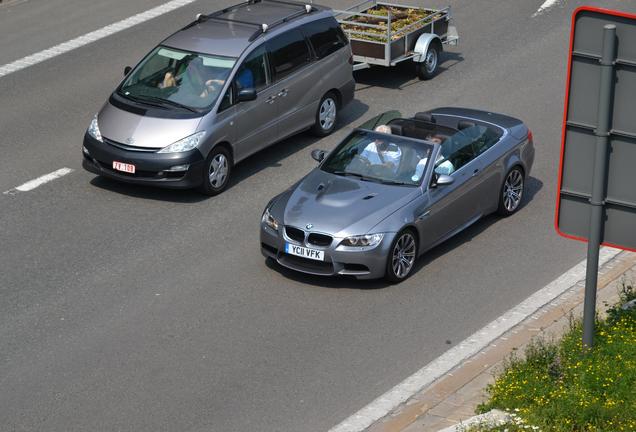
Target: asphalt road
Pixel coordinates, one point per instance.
(133, 309)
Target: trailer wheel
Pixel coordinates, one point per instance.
(428, 68)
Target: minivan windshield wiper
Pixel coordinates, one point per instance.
(165, 102)
(142, 100)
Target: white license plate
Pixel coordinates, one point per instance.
(304, 252)
(124, 167)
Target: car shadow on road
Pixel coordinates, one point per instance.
(402, 75)
(267, 158)
(533, 186)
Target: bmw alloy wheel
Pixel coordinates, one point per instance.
(403, 255)
(218, 170)
(513, 190)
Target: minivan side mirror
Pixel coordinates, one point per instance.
(127, 70)
(442, 180)
(318, 155)
(247, 94)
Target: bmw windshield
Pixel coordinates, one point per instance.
(170, 78)
(382, 158)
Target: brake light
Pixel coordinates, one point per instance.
(530, 136)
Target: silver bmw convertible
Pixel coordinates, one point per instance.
(396, 187)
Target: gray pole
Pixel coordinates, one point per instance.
(597, 201)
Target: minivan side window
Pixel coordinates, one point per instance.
(325, 36)
(288, 52)
(253, 71)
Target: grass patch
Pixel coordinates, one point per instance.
(557, 388)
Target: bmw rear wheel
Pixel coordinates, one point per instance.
(326, 116)
(511, 192)
(402, 256)
(218, 166)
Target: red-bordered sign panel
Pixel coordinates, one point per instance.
(579, 123)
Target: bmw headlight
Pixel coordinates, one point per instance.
(185, 144)
(367, 240)
(93, 130)
(269, 220)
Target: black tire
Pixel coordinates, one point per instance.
(221, 160)
(407, 238)
(326, 121)
(511, 192)
(428, 68)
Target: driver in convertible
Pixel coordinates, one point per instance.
(381, 152)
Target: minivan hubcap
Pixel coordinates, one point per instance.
(431, 60)
(513, 189)
(327, 114)
(403, 255)
(218, 170)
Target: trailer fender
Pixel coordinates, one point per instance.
(422, 44)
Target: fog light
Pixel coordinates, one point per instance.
(85, 151)
(177, 168)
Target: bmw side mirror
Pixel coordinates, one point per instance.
(127, 70)
(443, 180)
(247, 94)
(318, 155)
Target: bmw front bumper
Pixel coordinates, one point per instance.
(151, 168)
(362, 264)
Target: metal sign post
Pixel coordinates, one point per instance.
(597, 177)
(599, 180)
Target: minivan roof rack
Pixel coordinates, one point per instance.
(262, 27)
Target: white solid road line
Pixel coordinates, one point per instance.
(92, 36)
(545, 6)
(468, 348)
(30, 185)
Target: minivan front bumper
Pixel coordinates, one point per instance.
(151, 168)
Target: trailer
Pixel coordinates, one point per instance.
(380, 35)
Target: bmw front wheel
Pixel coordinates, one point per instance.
(402, 256)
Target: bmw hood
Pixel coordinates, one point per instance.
(342, 206)
(143, 131)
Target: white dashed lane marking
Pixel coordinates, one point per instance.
(545, 6)
(30, 185)
(91, 37)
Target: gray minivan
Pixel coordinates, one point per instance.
(220, 89)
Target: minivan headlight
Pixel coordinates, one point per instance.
(185, 144)
(367, 240)
(93, 130)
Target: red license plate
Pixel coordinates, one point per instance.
(124, 167)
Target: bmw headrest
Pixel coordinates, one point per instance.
(465, 124)
(396, 129)
(425, 116)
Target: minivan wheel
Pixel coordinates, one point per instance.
(511, 192)
(402, 256)
(218, 166)
(326, 115)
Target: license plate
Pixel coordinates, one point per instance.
(304, 252)
(124, 167)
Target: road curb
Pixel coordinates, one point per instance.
(452, 398)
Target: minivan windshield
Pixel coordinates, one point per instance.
(381, 158)
(169, 78)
